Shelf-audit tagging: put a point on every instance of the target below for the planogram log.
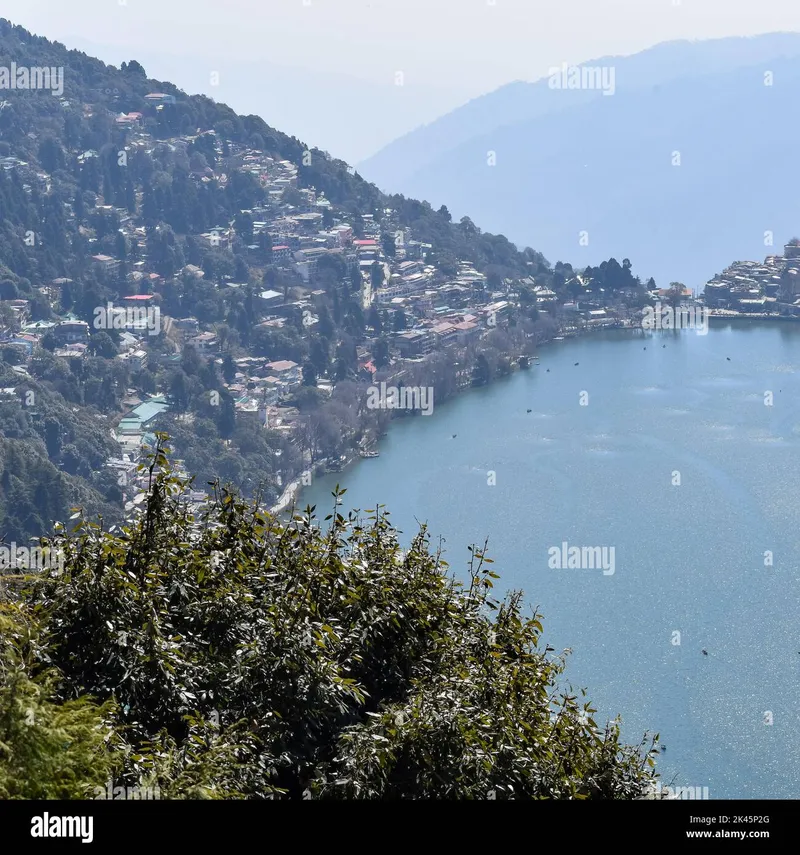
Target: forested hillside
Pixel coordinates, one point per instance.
(281, 282)
(70, 174)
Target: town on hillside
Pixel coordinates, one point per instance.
(767, 289)
(421, 317)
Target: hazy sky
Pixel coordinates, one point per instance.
(448, 50)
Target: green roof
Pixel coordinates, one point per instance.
(148, 410)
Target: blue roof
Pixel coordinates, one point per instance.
(148, 410)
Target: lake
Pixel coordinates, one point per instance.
(662, 447)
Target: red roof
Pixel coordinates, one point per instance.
(279, 247)
(139, 297)
(365, 242)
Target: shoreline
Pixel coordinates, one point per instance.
(291, 494)
(289, 497)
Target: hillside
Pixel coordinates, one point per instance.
(270, 272)
(569, 161)
(256, 85)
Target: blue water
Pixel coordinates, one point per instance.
(688, 558)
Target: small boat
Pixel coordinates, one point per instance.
(368, 454)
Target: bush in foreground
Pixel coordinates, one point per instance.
(235, 655)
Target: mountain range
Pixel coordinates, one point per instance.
(685, 166)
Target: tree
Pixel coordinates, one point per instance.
(380, 353)
(675, 293)
(50, 154)
(376, 275)
(101, 344)
(374, 319)
(50, 748)
(294, 678)
(52, 436)
(243, 225)
(226, 423)
(481, 373)
(399, 321)
(133, 67)
(309, 375)
(319, 354)
(228, 368)
(291, 196)
(356, 280)
(388, 244)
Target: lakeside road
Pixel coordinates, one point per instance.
(288, 496)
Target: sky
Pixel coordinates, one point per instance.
(399, 63)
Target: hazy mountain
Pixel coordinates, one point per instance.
(342, 114)
(572, 161)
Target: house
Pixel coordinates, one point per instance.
(187, 325)
(25, 343)
(753, 304)
(407, 268)
(71, 331)
(20, 309)
(545, 297)
(792, 250)
(367, 244)
(444, 333)
(250, 409)
(204, 343)
(495, 312)
(106, 263)
(366, 371)
(129, 120)
(285, 370)
(271, 298)
(71, 351)
(685, 294)
(219, 238)
(345, 234)
(145, 415)
(467, 331)
(127, 341)
(281, 253)
(414, 343)
(159, 98)
(136, 359)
